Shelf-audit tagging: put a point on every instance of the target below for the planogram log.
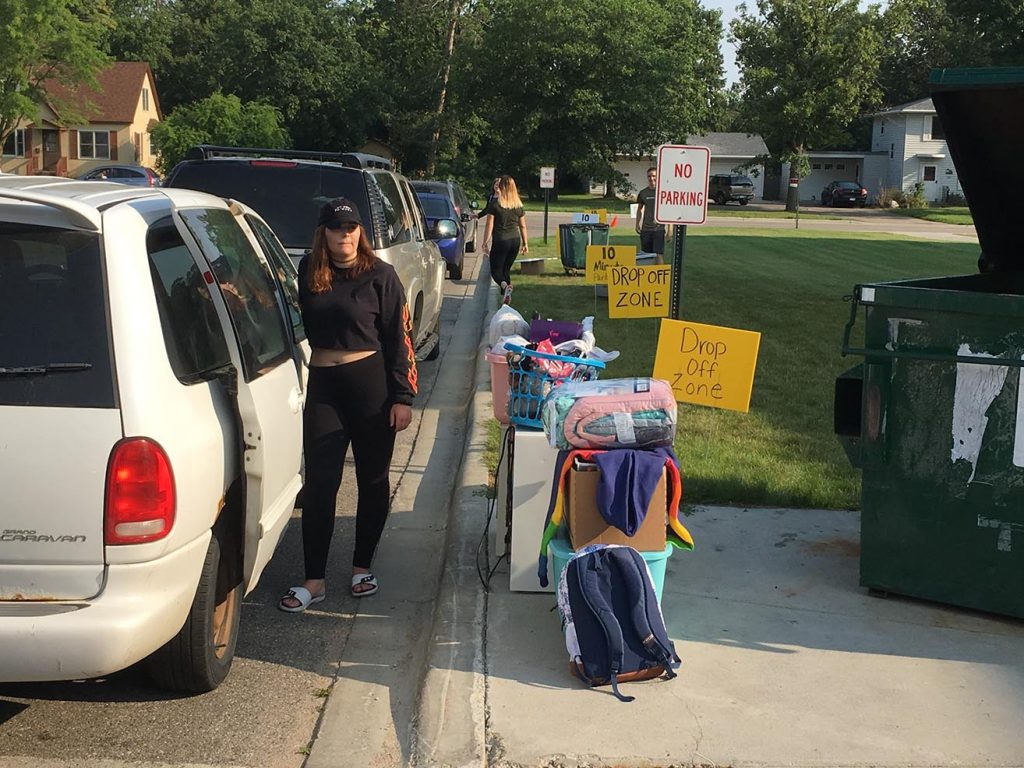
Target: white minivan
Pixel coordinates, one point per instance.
(151, 390)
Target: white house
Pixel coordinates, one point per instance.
(914, 146)
(728, 151)
(907, 146)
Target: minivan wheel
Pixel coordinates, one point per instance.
(199, 657)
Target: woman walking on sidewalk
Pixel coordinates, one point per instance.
(507, 224)
(362, 379)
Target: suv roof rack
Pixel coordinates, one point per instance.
(348, 159)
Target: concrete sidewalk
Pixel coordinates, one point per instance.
(786, 660)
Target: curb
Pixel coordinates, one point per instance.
(450, 727)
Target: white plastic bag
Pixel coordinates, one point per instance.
(506, 322)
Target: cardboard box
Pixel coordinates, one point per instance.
(586, 526)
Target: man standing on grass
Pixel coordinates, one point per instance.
(652, 234)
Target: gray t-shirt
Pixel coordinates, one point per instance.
(645, 198)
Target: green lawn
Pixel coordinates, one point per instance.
(950, 215)
(580, 203)
(790, 286)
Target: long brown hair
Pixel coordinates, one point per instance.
(508, 193)
(320, 273)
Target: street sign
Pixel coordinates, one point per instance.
(547, 178)
(681, 196)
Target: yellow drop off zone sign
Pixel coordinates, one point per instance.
(707, 364)
(639, 291)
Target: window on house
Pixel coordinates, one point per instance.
(938, 132)
(815, 166)
(881, 129)
(892, 151)
(929, 173)
(138, 147)
(828, 166)
(94, 144)
(145, 98)
(840, 166)
(14, 144)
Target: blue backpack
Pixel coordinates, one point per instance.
(614, 630)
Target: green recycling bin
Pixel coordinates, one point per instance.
(573, 240)
(934, 416)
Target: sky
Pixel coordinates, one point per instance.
(728, 8)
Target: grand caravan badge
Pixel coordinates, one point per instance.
(14, 534)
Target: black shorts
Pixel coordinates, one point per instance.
(652, 240)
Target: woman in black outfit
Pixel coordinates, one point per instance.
(362, 379)
(508, 225)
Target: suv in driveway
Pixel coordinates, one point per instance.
(151, 389)
(288, 187)
(724, 187)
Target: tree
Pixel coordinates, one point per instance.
(43, 41)
(302, 56)
(218, 119)
(575, 85)
(921, 35)
(808, 68)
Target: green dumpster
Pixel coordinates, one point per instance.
(934, 416)
(573, 240)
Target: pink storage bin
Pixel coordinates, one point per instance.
(499, 385)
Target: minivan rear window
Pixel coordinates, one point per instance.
(286, 194)
(54, 333)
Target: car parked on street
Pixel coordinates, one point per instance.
(151, 388)
(288, 187)
(134, 175)
(446, 229)
(464, 207)
(726, 187)
(844, 193)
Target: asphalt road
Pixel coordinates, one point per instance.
(871, 220)
(267, 713)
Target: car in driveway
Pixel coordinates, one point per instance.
(288, 187)
(728, 187)
(840, 193)
(464, 207)
(151, 389)
(446, 230)
(133, 175)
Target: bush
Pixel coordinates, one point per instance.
(916, 199)
(955, 199)
(891, 195)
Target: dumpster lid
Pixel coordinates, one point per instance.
(982, 112)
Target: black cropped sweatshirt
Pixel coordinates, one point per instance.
(366, 312)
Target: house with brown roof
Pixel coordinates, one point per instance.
(118, 117)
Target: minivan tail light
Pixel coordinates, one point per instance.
(140, 498)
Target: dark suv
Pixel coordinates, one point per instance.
(288, 187)
(724, 187)
(465, 207)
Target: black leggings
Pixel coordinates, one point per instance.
(346, 404)
(503, 256)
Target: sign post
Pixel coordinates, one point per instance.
(547, 182)
(681, 198)
(794, 183)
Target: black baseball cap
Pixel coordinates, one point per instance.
(339, 211)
